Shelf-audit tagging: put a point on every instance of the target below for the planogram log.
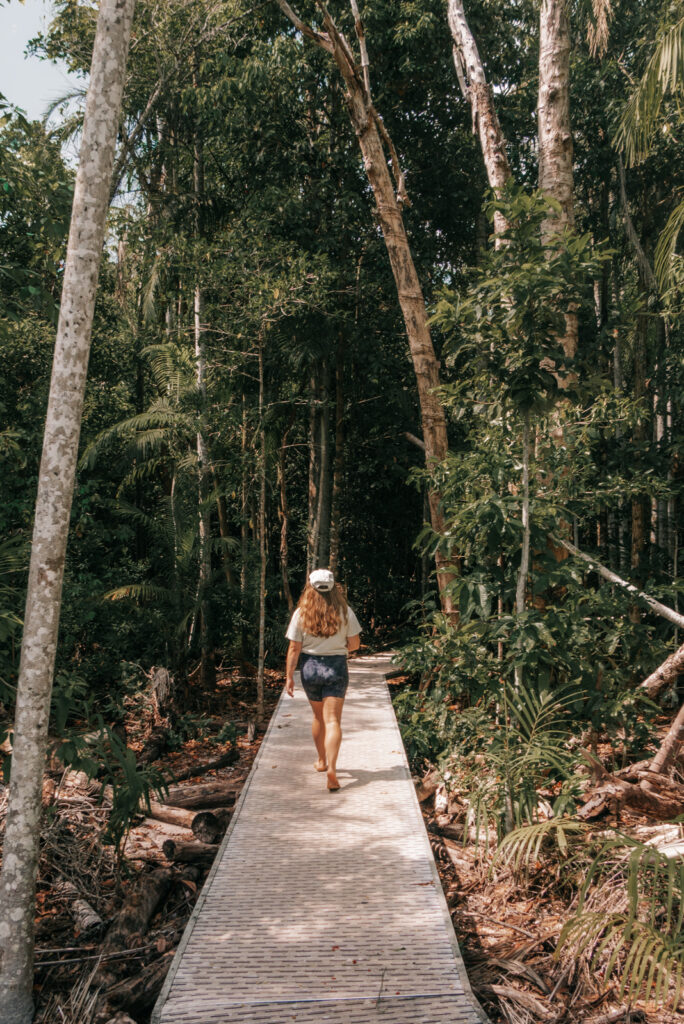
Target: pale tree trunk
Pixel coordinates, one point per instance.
(665, 675)
(53, 506)
(262, 541)
(373, 137)
(478, 93)
(525, 551)
(207, 672)
(555, 136)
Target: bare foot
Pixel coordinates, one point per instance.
(333, 784)
(320, 765)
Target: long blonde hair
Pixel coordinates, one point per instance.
(322, 614)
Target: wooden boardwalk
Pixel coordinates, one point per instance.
(323, 907)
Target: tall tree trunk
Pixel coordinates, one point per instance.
(224, 533)
(244, 547)
(207, 669)
(284, 521)
(53, 506)
(314, 471)
(372, 137)
(641, 433)
(324, 468)
(478, 93)
(523, 572)
(555, 136)
(338, 465)
(262, 541)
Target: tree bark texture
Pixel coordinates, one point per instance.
(478, 93)
(555, 136)
(53, 505)
(373, 137)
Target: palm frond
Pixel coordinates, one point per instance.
(653, 961)
(144, 592)
(664, 74)
(151, 426)
(524, 846)
(666, 247)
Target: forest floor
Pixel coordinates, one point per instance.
(112, 971)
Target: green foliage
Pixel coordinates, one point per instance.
(664, 74)
(558, 839)
(644, 941)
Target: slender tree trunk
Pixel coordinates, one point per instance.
(262, 542)
(244, 549)
(555, 135)
(284, 522)
(207, 669)
(324, 470)
(525, 552)
(53, 506)
(314, 472)
(338, 468)
(478, 93)
(224, 533)
(641, 433)
(372, 137)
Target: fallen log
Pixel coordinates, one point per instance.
(189, 853)
(209, 826)
(172, 815)
(207, 794)
(140, 992)
(87, 921)
(130, 924)
(426, 786)
(665, 675)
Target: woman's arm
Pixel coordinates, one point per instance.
(353, 643)
(293, 652)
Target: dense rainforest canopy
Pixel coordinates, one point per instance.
(445, 391)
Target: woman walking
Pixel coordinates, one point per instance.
(322, 632)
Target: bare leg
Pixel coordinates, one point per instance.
(318, 733)
(332, 716)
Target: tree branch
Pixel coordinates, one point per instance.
(320, 38)
(660, 609)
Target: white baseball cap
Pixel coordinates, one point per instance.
(322, 580)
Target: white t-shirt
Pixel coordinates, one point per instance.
(335, 644)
